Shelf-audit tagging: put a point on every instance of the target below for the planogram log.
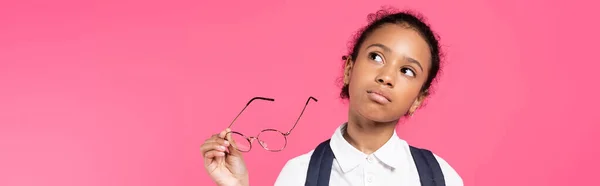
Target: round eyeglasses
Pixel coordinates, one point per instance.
(269, 139)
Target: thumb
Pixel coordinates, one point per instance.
(232, 144)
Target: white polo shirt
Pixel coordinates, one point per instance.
(392, 165)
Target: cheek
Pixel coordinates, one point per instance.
(407, 90)
(353, 89)
(359, 80)
(362, 71)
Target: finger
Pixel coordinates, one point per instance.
(223, 133)
(212, 146)
(213, 154)
(233, 147)
(222, 142)
(216, 139)
(212, 138)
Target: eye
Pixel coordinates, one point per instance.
(375, 57)
(408, 72)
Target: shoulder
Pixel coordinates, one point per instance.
(294, 171)
(450, 175)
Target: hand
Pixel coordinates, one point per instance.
(223, 162)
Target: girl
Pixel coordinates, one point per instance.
(387, 75)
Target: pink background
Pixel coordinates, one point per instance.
(124, 92)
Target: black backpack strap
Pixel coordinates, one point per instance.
(319, 168)
(428, 167)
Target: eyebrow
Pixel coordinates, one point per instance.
(388, 50)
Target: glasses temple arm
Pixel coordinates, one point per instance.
(247, 104)
(306, 104)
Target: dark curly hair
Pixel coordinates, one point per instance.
(389, 15)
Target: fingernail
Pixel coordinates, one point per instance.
(221, 147)
(226, 143)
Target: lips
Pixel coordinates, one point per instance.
(379, 96)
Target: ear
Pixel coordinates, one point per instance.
(348, 69)
(417, 103)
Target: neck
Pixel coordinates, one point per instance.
(368, 136)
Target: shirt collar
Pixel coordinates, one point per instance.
(348, 157)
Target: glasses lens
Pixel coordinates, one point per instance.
(240, 142)
(272, 140)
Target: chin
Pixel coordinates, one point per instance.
(377, 114)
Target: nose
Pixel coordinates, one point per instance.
(386, 77)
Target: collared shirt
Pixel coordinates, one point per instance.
(392, 165)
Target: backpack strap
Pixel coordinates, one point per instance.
(319, 168)
(428, 167)
(321, 162)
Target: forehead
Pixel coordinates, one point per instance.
(402, 40)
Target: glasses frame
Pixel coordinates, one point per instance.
(251, 139)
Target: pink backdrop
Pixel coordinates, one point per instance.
(124, 92)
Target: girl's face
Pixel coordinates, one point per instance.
(386, 77)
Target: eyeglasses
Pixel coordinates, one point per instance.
(270, 139)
